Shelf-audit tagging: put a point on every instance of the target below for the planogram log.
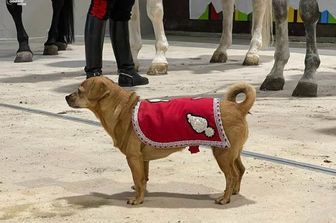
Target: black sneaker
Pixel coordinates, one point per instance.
(130, 80)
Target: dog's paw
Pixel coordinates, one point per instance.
(135, 201)
(221, 200)
(236, 191)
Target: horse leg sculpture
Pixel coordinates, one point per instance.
(135, 34)
(155, 13)
(50, 47)
(61, 43)
(220, 54)
(261, 30)
(66, 30)
(24, 54)
(275, 79)
(307, 86)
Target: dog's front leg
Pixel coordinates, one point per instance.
(136, 165)
(146, 166)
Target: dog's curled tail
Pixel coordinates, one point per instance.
(250, 96)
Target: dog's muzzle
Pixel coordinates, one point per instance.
(70, 100)
(67, 98)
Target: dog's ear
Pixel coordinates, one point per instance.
(97, 91)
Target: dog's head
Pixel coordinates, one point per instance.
(89, 93)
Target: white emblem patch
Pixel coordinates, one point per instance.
(200, 124)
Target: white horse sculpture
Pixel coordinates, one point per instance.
(261, 33)
(155, 13)
(307, 85)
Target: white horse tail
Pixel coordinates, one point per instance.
(267, 35)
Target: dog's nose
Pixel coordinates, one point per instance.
(67, 98)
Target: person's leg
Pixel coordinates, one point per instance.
(94, 37)
(120, 14)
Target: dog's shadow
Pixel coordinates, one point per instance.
(155, 200)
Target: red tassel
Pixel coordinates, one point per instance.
(194, 149)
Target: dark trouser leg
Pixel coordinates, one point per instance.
(120, 42)
(24, 54)
(120, 13)
(94, 41)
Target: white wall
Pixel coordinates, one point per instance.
(37, 18)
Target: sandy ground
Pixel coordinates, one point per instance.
(58, 165)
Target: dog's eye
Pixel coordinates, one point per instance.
(79, 91)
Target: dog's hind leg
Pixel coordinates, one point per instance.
(146, 168)
(241, 170)
(226, 162)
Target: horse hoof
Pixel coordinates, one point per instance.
(218, 57)
(24, 56)
(251, 60)
(61, 46)
(158, 69)
(272, 84)
(305, 89)
(50, 50)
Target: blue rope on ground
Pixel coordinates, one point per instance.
(288, 162)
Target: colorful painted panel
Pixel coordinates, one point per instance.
(212, 10)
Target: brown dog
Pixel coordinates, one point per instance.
(114, 106)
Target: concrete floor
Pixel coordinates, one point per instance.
(58, 165)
